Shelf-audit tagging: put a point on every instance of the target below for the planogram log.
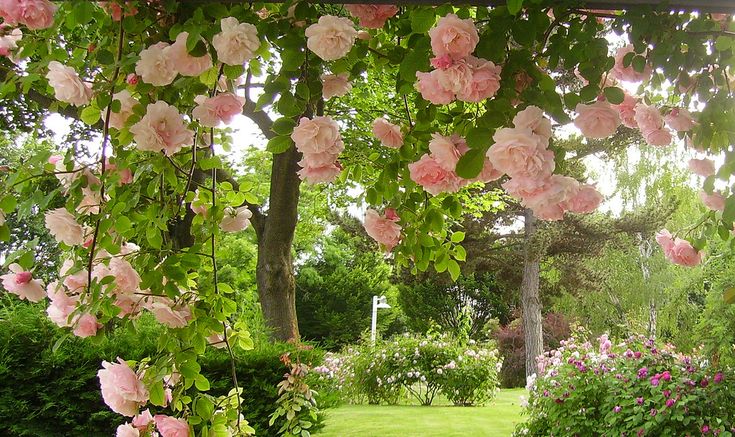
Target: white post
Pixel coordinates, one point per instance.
(374, 321)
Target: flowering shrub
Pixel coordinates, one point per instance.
(634, 388)
(417, 366)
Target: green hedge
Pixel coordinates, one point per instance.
(47, 392)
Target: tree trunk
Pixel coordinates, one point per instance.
(274, 273)
(530, 300)
(646, 250)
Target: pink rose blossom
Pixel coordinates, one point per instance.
(432, 177)
(331, 38)
(533, 118)
(127, 280)
(372, 16)
(22, 284)
(626, 110)
(628, 74)
(122, 389)
(335, 85)
(61, 305)
(317, 135)
(168, 312)
(585, 201)
(161, 129)
(222, 108)
(444, 152)
(9, 42)
(665, 240)
(35, 14)
(185, 63)
(170, 426)
(441, 62)
(67, 85)
(454, 37)
(658, 137)
(127, 103)
(648, 118)
(384, 230)
(388, 133)
(322, 174)
(430, 89)
(684, 254)
(64, 227)
(598, 120)
(156, 65)
(131, 79)
(680, 120)
(523, 187)
(235, 219)
(126, 175)
(90, 203)
(714, 201)
(116, 10)
(85, 325)
(237, 43)
(484, 80)
(702, 167)
(142, 420)
(488, 173)
(518, 152)
(549, 202)
(127, 430)
(456, 78)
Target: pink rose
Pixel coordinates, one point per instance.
(444, 152)
(714, 201)
(35, 14)
(335, 85)
(127, 430)
(9, 41)
(680, 120)
(484, 81)
(518, 152)
(61, 305)
(703, 167)
(64, 227)
(128, 304)
(161, 129)
(127, 103)
(222, 108)
(237, 43)
(22, 284)
(665, 240)
(168, 312)
(432, 177)
(156, 65)
(317, 136)
(170, 426)
(533, 118)
(372, 16)
(186, 64)
(626, 110)
(454, 37)
(658, 137)
(651, 124)
(321, 174)
(441, 62)
(122, 389)
(331, 37)
(555, 191)
(126, 175)
(127, 280)
(488, 173)
(235, 219)
(585, 201)
(90, 203)
(628, 74)
(684, 254)
(67, 85)
(384, 230)
(85, 325)
(457, 78)
(142, 420)
(131, 79)
(598, 120)
(388, 133)
(116, 10)
(430, 89)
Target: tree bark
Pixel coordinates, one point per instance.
(530, 300)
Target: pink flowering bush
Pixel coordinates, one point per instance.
(629, 388)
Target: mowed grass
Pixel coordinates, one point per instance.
(496, 419)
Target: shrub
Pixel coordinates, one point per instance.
(634, 388)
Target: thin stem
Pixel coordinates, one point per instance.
(408, 113)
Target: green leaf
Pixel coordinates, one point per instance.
(153, 235)
(729, 296)
(614, 95)
(4, 233)
(639, 63)
(204, 408)
(416, 60)
(453, 268)
(122, 223)
(457, 237)
(279, 144)
(156, 394)
(8, 204)
(83, 12)
(201, 383)
(728, 214)
(105, 57)
(723, 43)
(478, 137)
(471, 163)
(90, 115)
(283, 126)
(422, 20)
(514, 6)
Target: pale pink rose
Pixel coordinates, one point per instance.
(518, 152)
(322, 174)
(142, 420)
(168, 312)
(702, 167)
(363, 35)
(116, 10)
(235, 219)
(331, 37)
(86, 325)
(684, 254)
(372, 16)
(122, 389)
(35, 14)
(626, 110)
(454, 37)
(170, 426)
(457, 78)
(488, 173)
(388, 133)
(714, 201)
(680, 120)
(64, 227)
(430, 89)
(484, 82)
(186, 64)
(444, 152)
(384, 230)
(441, 62)
(317, 135)
(335, 85)
(127, 280)
(127, 103)
(533, 118)
(666, 241)
(222, 108)
(586, 200)
(648, 118)
(67, 85)
(598, 120)
(61, 305)
(658, 137)
(161, 129)
(198, 205)
(9, 42)
(22, 284)
(433, 178)
(524, 187)
(10, 11)
(127, 430)
(90, 203)
(550, 202)
(628, 74)
(156, 66)
(237, 43)
(129, 304)
(549, 211)
(126, 175)
(217, 340)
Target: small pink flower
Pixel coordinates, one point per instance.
(169, 313)
(64, 227)
(484, 81)
(236, 219)
(714, 201)
(444, 152)
(122, 389)
(86, 325)
(388, 133)
(131, 79)
(142, 420)
(628, 74)
(586, 200)
(372, 16)
(680, 120)
(335, 85)
(532, 117)
(156, 65)
(454, 37)
(127, 430)
(598, 120)
(428, 173)
(441, 62)
(22, 284)
(171, 426)
(702, 167)
(385, 230)
(9, 42)
(518, 152)
(626, 110)
(220, 109)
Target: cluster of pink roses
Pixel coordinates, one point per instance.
(522, 153)
(319, 141)
(678, 251)
(372, 16)
(385, 230)
(144, 423)
(457, 74)
(34, 14)
(705, 168)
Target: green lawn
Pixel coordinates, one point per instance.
(497, 419)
